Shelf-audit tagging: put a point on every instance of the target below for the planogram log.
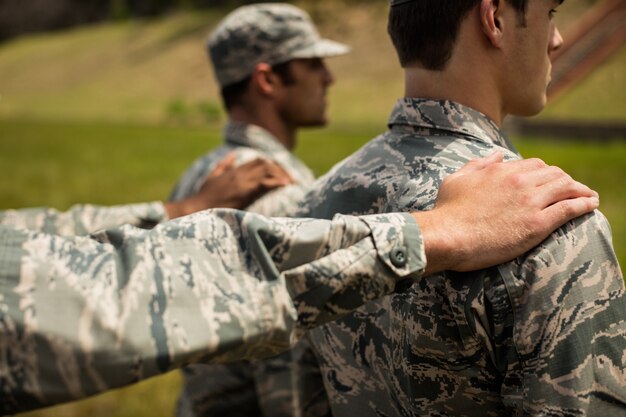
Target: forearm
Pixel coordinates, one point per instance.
(81, 220)
(81, 316)
(365, 258)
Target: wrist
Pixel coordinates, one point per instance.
(172, 210)
(182, 207)
(442, 248)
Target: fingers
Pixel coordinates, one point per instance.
(493, 161)
(481, 163)
(261, 175)
(562, 189)
(266, 169)
(278, 173)
(255, 164)
(270, 183)
(563, 211)
(224, 165)
(526, 165)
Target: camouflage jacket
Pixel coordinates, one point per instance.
(544, 334)
(250, 142)
(80, 315)
(81, 220)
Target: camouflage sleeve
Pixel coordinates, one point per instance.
(282, 202)
(80, 315)
(569, 334)
(81, 220)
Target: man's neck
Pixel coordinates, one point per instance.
(286, 135)
(466, 88)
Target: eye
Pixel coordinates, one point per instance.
(552, 13)
(316, 63)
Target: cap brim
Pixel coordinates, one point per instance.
(322, 49)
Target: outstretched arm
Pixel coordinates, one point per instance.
(227, 186)
(82, 315)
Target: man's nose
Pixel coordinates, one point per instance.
(330, 78)
(557, 40)
(327, 76)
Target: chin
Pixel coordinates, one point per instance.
(531, 108)
(315, 123)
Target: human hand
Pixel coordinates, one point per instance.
(491, 211)
(233, 187)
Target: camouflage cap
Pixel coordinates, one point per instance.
(268, 32)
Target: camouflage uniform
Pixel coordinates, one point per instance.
(249, 142)
(543, 335)
(271, 33)
(80, 315)
(81, 220)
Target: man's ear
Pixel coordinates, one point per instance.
(264, 79)
(491, 21)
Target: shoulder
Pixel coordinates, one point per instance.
(569, 309)
(396, 171)
(586, 240)
(565, 280)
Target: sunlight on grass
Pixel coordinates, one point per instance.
(154, 397)
(131, 72)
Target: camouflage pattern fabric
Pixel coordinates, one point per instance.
(81, 315)
(272, 33)
(81, 220)
(265, 387)
(543, 335)
(248, 142)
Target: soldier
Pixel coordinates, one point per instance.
(544, 334)
(268, 62)
(80, 315)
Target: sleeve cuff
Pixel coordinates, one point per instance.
(398, 242)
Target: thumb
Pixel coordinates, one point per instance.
(224, 165)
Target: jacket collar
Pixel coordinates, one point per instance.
(252, 136)
(448, 116)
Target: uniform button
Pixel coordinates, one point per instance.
(398, 257)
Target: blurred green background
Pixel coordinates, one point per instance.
(113, 112)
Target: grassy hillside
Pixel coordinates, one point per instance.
(156, 71)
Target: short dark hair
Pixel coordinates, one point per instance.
(425, 31)
(233, 94)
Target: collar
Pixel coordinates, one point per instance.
(252, 136)
(447, 116)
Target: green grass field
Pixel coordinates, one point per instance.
(113, 113)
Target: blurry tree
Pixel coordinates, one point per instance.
(23, 16)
